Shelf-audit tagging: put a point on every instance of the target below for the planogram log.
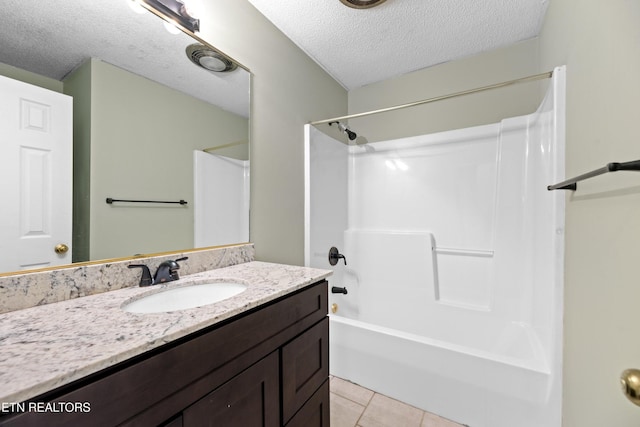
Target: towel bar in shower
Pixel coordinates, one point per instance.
(571, 184)
(111, 201)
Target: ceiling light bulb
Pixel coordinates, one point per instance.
(212, 63)
(171, 27)
(136, 6)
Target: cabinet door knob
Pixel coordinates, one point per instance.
(61, 248)
(630, 382)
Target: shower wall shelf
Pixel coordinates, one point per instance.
(571, 184)
(111, 201)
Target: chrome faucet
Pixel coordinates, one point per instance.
(167, 272)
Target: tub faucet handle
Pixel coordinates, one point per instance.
(334, 256)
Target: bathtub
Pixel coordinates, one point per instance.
(471, 386)
(453, 264)
(416, 326)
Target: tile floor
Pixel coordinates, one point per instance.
(355, 406)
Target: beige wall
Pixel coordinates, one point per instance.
(289, 90)
(599, 41)
(511, 62)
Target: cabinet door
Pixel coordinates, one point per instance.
(305, 367)
(314, 413)
(249, 399)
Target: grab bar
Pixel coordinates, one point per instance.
(111, 201)
(467, 252)
(571, 184)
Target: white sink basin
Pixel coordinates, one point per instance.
(190, 296)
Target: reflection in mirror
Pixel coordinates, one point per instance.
(143, 114)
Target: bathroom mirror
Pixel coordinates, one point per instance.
(145, 148)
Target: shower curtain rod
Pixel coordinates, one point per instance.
(527, 79)
(219, 147)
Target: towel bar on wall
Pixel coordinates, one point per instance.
(111, 201)
(571, 184)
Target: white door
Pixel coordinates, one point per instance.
(36, 142)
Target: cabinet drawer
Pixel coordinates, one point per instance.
(305, 366)
(248, 400)
(314, 413)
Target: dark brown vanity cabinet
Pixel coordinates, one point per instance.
(265, 367)
(249, 399)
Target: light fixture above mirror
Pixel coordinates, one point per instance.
(174, 12)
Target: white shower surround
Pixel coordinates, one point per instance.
(221, 200)
(455, 265)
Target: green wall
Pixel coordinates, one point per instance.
(29, 77)
(142, 139)
(78, 85)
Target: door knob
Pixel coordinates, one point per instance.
(630, 382)
(61, 248)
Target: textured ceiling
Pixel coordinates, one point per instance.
(52, 38)
(361, 46)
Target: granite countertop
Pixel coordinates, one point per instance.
(44, 347)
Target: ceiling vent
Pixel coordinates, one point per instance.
(362, 4)
(209, 59)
